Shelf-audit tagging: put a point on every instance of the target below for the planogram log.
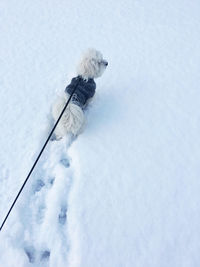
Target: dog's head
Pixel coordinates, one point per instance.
(92, 64)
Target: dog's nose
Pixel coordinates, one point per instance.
(106, 63)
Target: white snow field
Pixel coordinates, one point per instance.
(126, 192)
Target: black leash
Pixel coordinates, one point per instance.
(78, 80)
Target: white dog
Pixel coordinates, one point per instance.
(91, 66)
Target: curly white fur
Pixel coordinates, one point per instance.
(91, 65)
(72, 120)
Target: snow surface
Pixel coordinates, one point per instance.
(129, 185)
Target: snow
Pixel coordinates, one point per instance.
(130, 181)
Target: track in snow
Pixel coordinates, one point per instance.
(44, 211)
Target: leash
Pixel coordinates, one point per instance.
(38, 157)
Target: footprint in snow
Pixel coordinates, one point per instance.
(62, 217)
(65, 162)
(45, 255)
(38, 185)
(51, 180)
(30, 252)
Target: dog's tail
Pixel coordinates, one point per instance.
(72, 120)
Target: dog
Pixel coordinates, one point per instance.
(90, 67)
